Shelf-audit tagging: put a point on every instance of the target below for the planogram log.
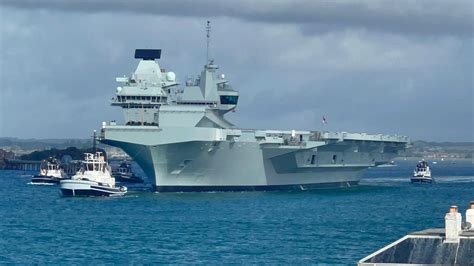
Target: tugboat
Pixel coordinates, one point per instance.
(50, 173)
(124, 174)
(422, 173)
(93, 179)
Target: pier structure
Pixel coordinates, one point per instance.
(452, 245)
(22, 165)
(70, 168)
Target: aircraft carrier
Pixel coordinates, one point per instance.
(180, 138)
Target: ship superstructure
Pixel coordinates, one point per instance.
(180, 138)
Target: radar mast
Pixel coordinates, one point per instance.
(94, 143)
(208, 35)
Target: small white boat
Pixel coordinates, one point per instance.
(422, 173)
(93, 179)
(50, 173)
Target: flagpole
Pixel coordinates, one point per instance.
(324, 121)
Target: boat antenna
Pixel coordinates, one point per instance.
(208, 35)
(94, 137)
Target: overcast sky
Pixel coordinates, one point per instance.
(392, 67)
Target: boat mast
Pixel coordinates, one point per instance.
(94, 137)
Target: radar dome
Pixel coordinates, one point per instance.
(119, 89)
(170, 76)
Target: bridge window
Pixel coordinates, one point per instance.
(227, 99)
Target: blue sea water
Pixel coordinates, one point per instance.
(340, 226)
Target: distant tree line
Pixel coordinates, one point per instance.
(41, 144)
(75, 153)
(456, 149)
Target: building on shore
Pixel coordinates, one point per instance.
(6, 155)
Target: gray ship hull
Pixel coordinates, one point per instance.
(223, 162)
(255, 188)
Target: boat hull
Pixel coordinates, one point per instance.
(422, 180)
(243, 167)
(295, 187)
(85, 188)
(48, 180)
(247, 164)
(127, 179)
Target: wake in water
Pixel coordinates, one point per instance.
(454, 179)
(438, 179)
(40, 184)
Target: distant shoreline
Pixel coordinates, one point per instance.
(419, 149)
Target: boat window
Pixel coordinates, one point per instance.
(227, 99)
(334, 158)
(313, 159)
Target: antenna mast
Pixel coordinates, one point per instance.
(208, 30)
(94, 138)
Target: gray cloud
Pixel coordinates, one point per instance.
(429, 17)
(58, 69)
